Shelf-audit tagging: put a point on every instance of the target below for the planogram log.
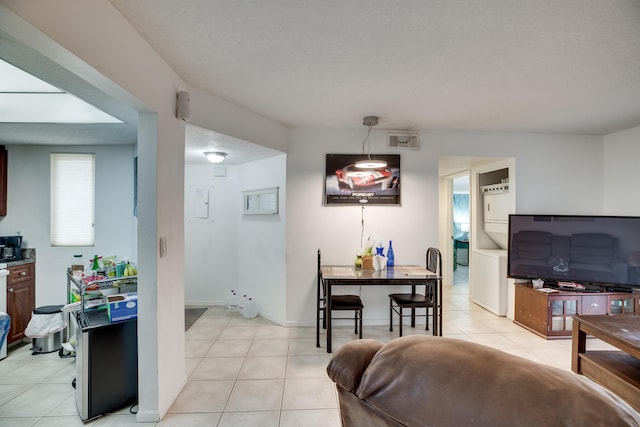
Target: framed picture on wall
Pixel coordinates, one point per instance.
(346, 184)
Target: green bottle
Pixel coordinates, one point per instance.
(95, 266)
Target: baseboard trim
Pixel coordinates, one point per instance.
(147, 416)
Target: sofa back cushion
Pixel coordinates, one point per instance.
(593, 248)
(533, 244)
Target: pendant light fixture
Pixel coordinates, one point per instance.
(369, 162)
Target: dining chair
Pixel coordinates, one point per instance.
(398, 302)
(338, 303)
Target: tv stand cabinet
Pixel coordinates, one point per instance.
(550, 315)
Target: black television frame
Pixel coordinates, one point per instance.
(577, 224)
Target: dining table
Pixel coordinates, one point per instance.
(350, 275)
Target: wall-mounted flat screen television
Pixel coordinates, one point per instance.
(602, 250)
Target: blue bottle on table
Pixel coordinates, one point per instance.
(390, 257)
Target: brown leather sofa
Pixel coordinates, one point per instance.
(436, 381)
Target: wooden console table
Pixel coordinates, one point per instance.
(619, 371)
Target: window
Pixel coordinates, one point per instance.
(72, 199)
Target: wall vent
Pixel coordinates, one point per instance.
(397, 139)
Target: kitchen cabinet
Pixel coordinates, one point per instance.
(3, 180)
(551, 315)
(21, 299)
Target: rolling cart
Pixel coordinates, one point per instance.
(106, 352)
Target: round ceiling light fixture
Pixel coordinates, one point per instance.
(370, 162)
(215, 156)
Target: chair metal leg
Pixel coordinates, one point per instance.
(400, 328)
(413, 317)
(360, 324)
(318, 328)
(390, 315)
(426, 318)
(324, 318)
(355, 321)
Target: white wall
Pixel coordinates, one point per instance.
(211, 257)
(622, 174)
(555, 173)
(336, 230)
(261, 240)
(29, 211)
(235, 251)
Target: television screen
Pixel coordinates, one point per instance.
(603, 250)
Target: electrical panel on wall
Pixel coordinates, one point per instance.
(200, 203)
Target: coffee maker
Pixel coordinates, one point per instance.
(10, 248)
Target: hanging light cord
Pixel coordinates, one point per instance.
(361, 236)
(362, 226)
(366, 138)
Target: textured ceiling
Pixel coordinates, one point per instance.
(570, 66)
(199, 141)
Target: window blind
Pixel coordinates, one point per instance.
(72, 199)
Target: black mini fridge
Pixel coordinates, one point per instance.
(106, 364)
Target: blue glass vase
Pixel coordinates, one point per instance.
(390, 257)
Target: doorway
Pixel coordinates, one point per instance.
(461, 223)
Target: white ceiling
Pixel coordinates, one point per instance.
(199, 140)
(570, 66)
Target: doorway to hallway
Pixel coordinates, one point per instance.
(461, 222)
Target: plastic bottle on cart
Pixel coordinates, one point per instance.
(390, 256)
(77, 266)
(101, 270)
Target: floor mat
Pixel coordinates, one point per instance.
(191, 315)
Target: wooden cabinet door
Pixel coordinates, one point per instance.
(594, 304)
(21, 299)
(562, 308)
(20, 304)
(3, 181)
(622, 304)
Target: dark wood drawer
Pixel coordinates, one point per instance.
(21, 273)
(596, 304)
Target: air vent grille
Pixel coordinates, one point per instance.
(403, 140)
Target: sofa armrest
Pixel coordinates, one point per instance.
(349, 363)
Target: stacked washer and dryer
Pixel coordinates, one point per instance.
(488, 285)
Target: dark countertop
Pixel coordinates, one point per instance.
(28, 257)
(21, 262)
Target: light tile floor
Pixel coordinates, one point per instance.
(251, 372)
